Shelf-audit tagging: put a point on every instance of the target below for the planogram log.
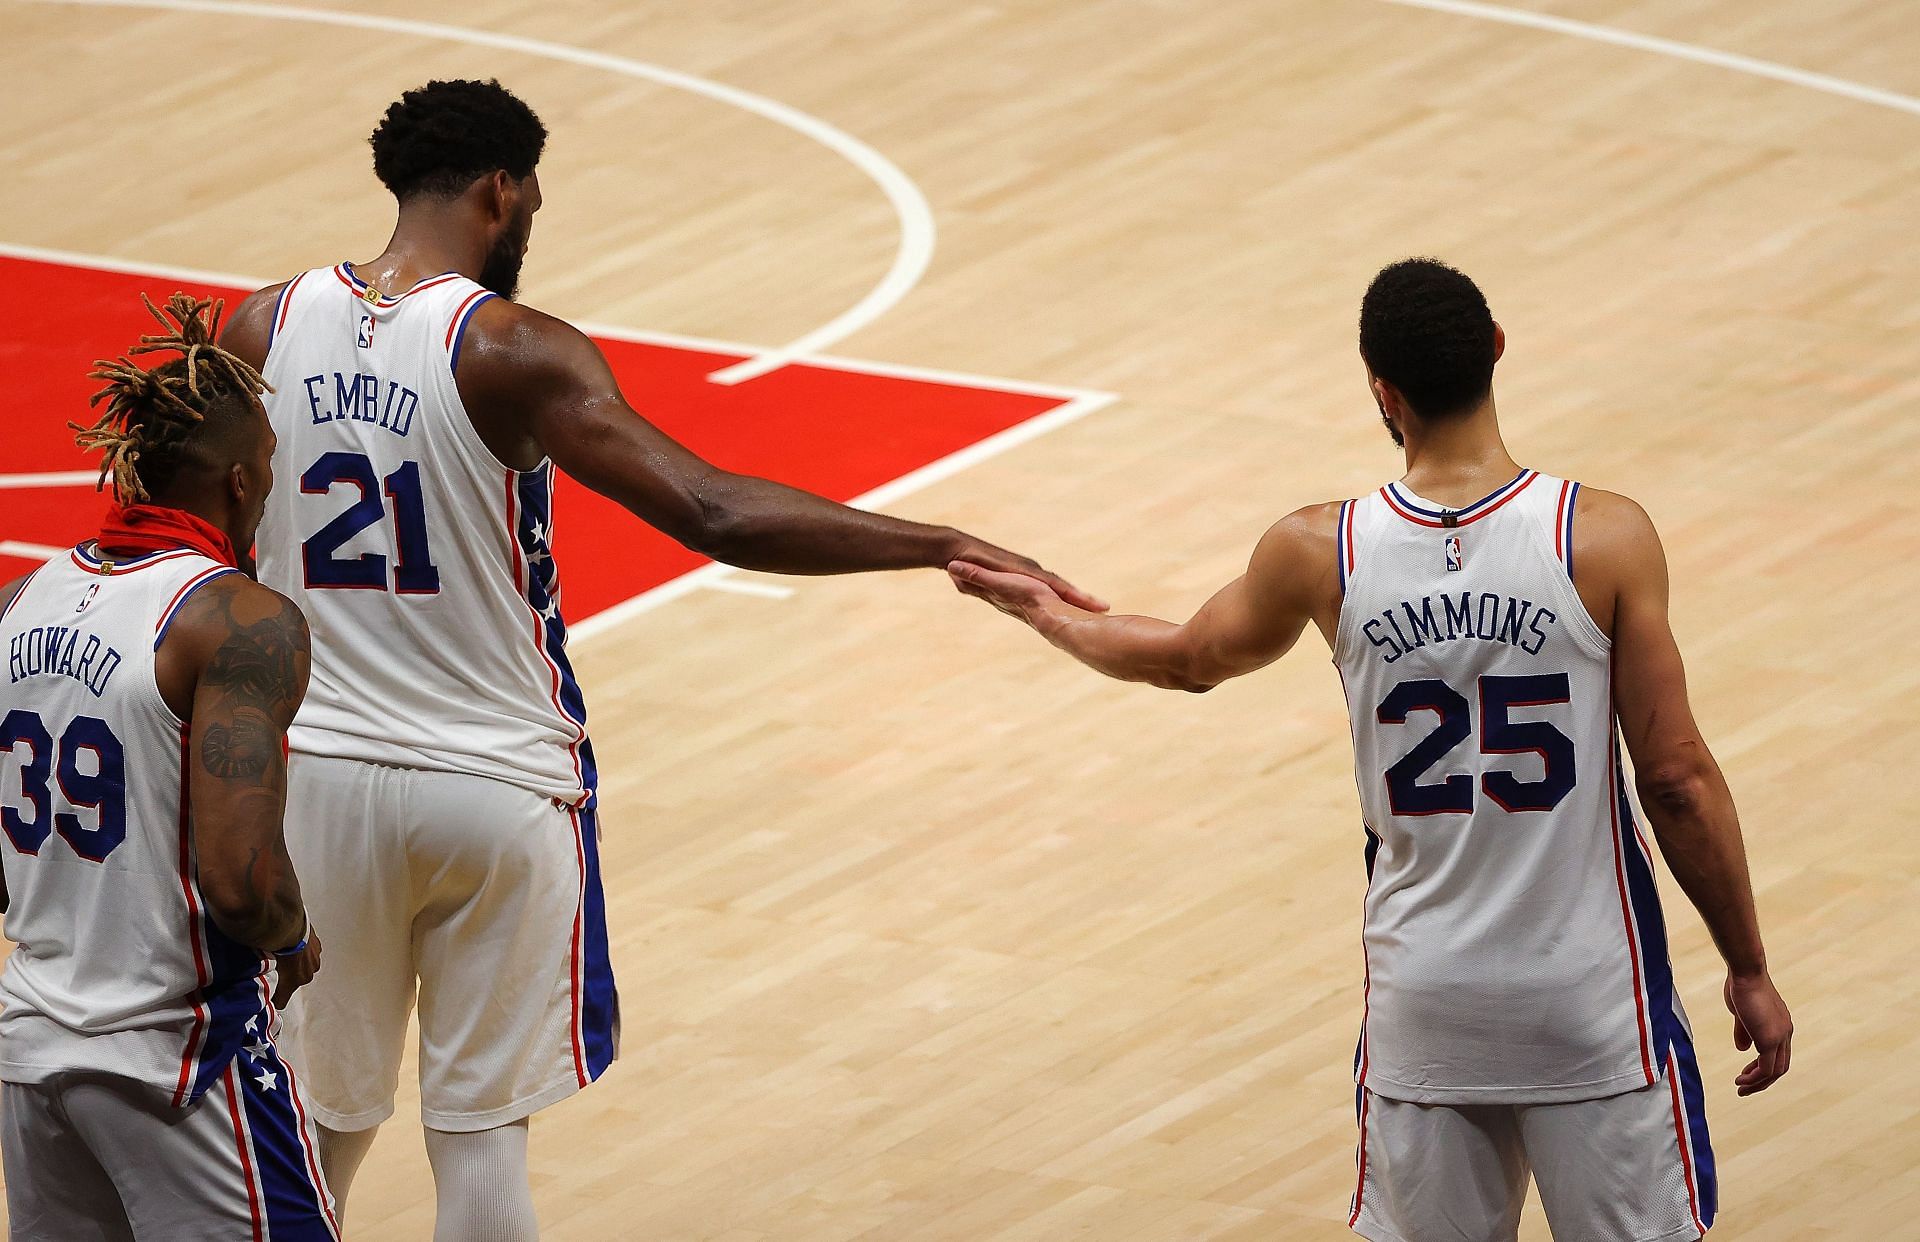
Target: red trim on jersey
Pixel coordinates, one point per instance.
(1681, 1135)
(198, 580)
(454, 325)
(98, 570)
(1346, 537)
(1387, 495)
(358, 286)
(576, 984)
(286, 305)
(191, 1057)
(520, 581)
(1360, 1185)
(1560, 522)
(1626, 905)
(246, 1161)
(19, 591)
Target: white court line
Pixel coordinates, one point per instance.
(637, 336)
(1824, 83)
(1078, 403)
(910, 259)
(32, 551)
(744, 586)
(50, 478)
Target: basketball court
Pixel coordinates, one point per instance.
(923, 932)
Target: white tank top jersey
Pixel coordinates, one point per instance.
(1515, 949)
(118, 969)
(422, 562)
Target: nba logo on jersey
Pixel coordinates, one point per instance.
(364, 338)
(1454, 559)
(93, 589)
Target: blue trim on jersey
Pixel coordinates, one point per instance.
(1481, 503)
(123, 562)
(1573, 497)
(273, 324)
(1650, 929)
(599, 1000)
(295, 1206)
(1693, 1101)
(599, 997)
(460, 330)
(234, 1001)
(19, 591)
(166, 622)
(1340, 543)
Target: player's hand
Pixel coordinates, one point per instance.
(1016, 594)
(972, 551)
(1760, 1022)
(296, 971)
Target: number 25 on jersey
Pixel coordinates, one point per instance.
(1500, 734)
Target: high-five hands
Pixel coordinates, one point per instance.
(1000, 569)
(1016, 593)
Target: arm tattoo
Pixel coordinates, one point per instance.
(256, 679)
(242, 748)
(256, 662)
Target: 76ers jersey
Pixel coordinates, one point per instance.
(422, 562)
(1515, 948)
(118, 969)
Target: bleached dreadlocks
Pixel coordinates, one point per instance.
(157, 419)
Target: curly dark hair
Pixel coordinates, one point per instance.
(442, 137)
(1425, 329)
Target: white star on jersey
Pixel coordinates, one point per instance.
(259, 1048)
(267, 1079)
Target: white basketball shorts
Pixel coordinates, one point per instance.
(96, 1158)
(1634, 1167)
(481, 896)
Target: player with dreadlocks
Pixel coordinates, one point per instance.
(150, 682)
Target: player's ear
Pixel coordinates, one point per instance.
(1499, 340)
(1384, 396)
(502, 193)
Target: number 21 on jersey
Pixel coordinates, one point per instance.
(413, 571)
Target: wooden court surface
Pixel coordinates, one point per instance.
(924, 933)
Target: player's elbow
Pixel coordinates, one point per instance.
(1675, 789)
(264, 921)
(1182, 670)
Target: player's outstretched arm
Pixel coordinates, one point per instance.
(243, 649)
(1681, 786)
(1248, 624)
(536, 385)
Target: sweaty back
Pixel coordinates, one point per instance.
(1515, 947)
(422, 562)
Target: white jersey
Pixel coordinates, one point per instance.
(421, 561)
(118, 969)
(1515, 948)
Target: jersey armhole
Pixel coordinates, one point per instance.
(1343, 544)
(20, 591)
(1563, 525)
(457, 329)
(282, 308)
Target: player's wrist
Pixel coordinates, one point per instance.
(299, 945)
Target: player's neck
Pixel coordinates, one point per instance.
(424, 244)
(1456, 461)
